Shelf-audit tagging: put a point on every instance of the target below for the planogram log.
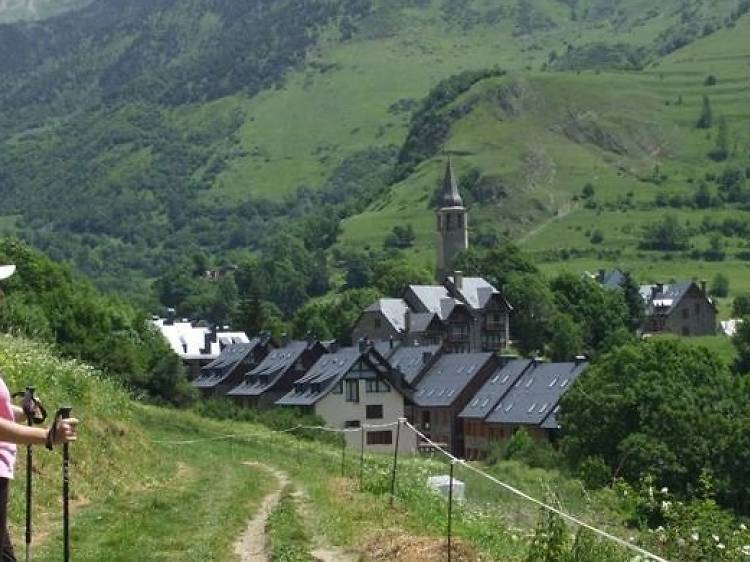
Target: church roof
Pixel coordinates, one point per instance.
(450, 196)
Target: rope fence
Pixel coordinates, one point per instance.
(452, 460)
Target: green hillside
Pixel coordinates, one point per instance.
(529, 142)
(134, 134)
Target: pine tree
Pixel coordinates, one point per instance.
(706, 120)
(251, 317)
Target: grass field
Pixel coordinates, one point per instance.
(631, 135)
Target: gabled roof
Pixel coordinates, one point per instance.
(219, 370)
(431, 298)
(536, 394)
(188, 340)
(322, 376)
(666, 298)
(614, 279)
(420, 321)
(271, 369)
(498, 385)
(394, 310)
(412, 360)
(474, 291)
(448, 377)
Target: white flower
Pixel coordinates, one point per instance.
(631, 539)
(743, 527)
(694, 536)
(746, 550)
(660, 529)
(665, 505)
(665, 490)
(715, 537)
(720, 546)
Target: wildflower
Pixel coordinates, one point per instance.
(746, 550)
(660, 529)
(665, 490)
(743, 527)
(715, 537)
(720, 546)
(695, 536)
(631, 539)
(666, 505)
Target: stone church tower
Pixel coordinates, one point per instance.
(452, 228)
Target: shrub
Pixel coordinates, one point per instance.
(595, 473)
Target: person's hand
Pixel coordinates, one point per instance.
(66, 431)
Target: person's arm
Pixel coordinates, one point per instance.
(11, 432)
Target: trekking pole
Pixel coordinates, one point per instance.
(35, 414)
(63, 413)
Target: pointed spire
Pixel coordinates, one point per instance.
(451, 197)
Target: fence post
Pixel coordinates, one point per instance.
(395, 460)
(362, 455)
(450, 511)
(343, 455)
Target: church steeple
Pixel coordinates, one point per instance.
(452, 227)
(451, 197)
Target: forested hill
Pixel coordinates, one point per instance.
(134, 134)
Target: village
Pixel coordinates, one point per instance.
(440, 358)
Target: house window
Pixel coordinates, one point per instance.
(351, 424)
(339, 388)
(377, 385)
(352, 391)
(458, 332)
(374, 412)
(426, 419)
(379, 437)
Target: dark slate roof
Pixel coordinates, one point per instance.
(219, 369)
(666, 298)
(474, 291)
(270, 370)
(448, 377)
(495, 389)
(321, 377)
(394, 310)
(614, 279)
(536, 394)
(450, 196)
(411, 360)
(420, 321)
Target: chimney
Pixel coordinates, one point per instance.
(284, 339)
(446, 305)
(333, 347)
(407, 321)
(580, 359)
(660, 288)
(426, 356)
(704, 287)
(171, 315)
(458, 280)
(390, 342)
(309, 339)
(207, 341)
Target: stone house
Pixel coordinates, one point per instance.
(354, 387)
(275, 375)
(444, 390)
(682, 309)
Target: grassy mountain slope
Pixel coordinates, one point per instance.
(534, 140)
(159, 127)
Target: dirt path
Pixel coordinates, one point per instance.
(321, 550)
(251, 546)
